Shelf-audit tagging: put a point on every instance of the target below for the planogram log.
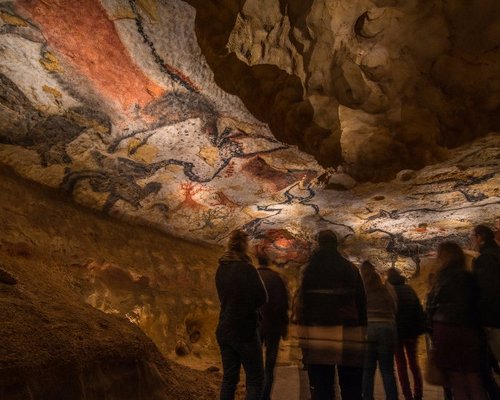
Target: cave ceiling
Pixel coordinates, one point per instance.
(199, 117)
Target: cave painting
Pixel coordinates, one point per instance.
(87, 39)
(284, 248)
(46, 134)
(111, 115)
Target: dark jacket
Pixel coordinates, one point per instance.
(453, 298)
(486, 271)
(410, 316)
(332, 292)
(275, 312)
(241, 293)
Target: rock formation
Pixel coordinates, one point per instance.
(375, 118)
(381, 85)
(161, 284)
(54, 346)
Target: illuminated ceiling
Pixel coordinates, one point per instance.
(116, 103)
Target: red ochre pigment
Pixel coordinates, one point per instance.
(259, 169)
(82, 32)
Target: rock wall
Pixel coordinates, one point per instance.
(54, 346)
(194, 118)
(140, 109)
(166, 147)
(163, 285)
(387, 85)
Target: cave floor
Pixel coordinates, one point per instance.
(291, 384)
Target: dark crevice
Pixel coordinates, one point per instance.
(270, 94)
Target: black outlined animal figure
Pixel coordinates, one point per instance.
(173, 108)
(118, 177)
(48, 135)
(184, 103)
(399, 245)
(257, 225)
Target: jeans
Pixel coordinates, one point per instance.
(271, 343)
(322, 381)
(380, 348)
(487, 362)
(409, 346)
(234, 354)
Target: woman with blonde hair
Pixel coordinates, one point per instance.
(381, 334)
(455, 329)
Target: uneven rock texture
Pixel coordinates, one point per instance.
(141, 109)
(165, 147)
(393, 83)
(197, 117)
(161, 284)
(54, 346)
(400, 221)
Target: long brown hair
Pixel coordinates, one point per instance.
(238, 242)
(371, 278)
(237, 247)
(450, 254)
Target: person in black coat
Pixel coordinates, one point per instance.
(455, 329)
(332, 321)
(241, 294)
(486, 270)
(274, 322)
(410, 322)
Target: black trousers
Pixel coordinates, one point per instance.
(271, 342)
(322, 381)
(234, 355)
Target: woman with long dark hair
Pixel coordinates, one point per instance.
(381, 334)
(453, 319)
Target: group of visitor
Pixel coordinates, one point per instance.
(351, 320)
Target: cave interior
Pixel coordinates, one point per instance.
(135, 135)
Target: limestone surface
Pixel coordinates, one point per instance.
(192, 117)
(394, 83)
(174, 122)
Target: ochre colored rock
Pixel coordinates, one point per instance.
(7, 278)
